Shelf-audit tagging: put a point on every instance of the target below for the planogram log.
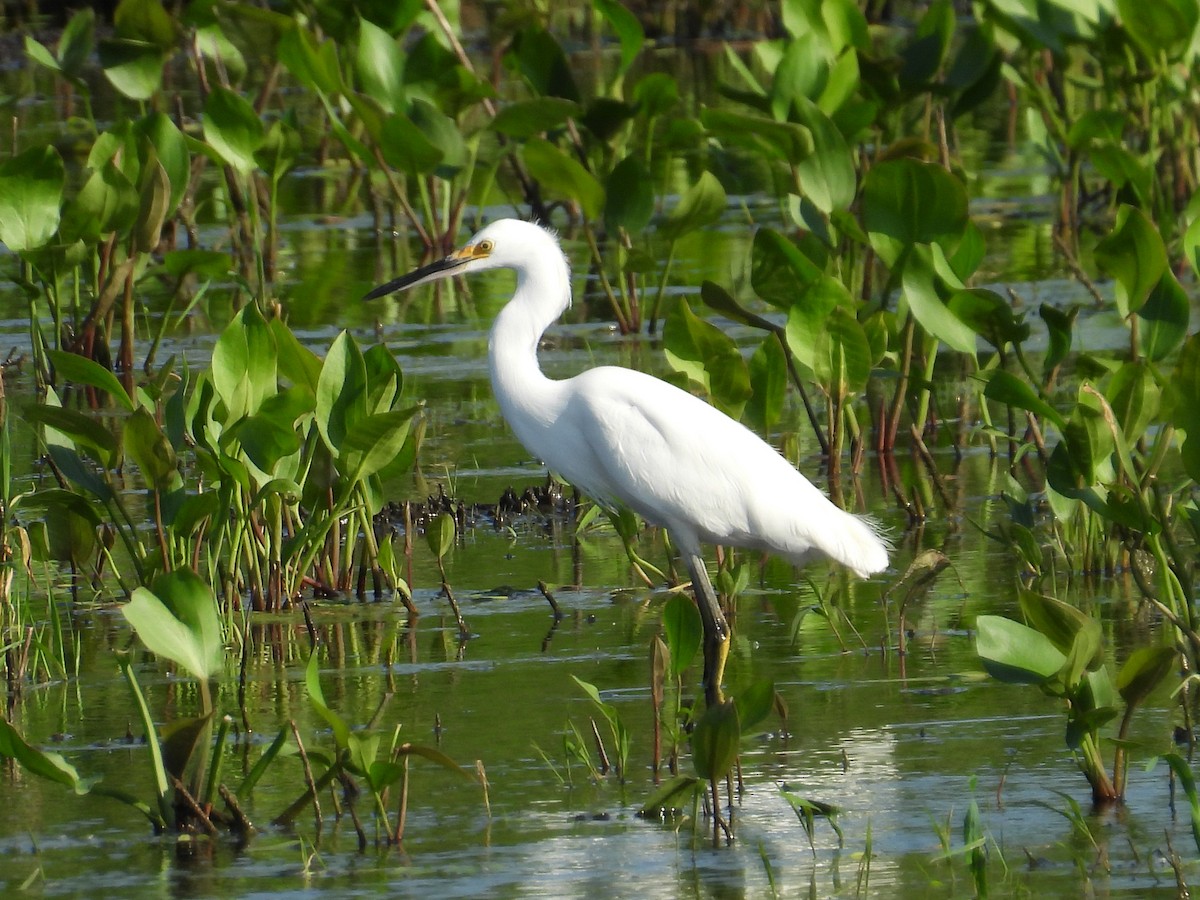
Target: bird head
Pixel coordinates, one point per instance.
(505, 243)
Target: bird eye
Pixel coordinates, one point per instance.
(484, 246)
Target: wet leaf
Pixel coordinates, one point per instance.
(629, 196)
(1015, 653)
(50, 766)
(684, 632)
(341, 391)
(31, 188)
(1006, 388)
(780, 273)
(81, 370)
(715, 741)
(380, 66)
(679, 790)
(627, 29)
(1164, 318)
(701, 205)
(316, 697)
(527, 118)
(150, 450)
(178, 621)
(768, 382)
(1134, 255)
(755, 703)
(233, 129)
(907, 202)
(243, 363)
(440, 534)
(1143, 671)
(563, 177)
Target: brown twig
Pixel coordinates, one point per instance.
(308, 775)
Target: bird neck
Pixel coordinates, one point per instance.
(543, 292)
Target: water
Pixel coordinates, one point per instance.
(901, 745)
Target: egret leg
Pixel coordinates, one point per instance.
(716, 629)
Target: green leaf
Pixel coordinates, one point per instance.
(828, 177)
(1134, 255)
(701, 205)
(683, 631)
(31, 188)
(906, 202)
(50, 766)
(133, 67)
(542, 62)
(707, 356)
(107, 202)
(780, 273)
(562, 176)
(1134, 395)
(629, 196)
(434, 756)
(178, 621)
(146, 21)
(527, 118)
(935, 317)
(150, 450)
(78, 430)
(154, 193)
(341, 391)
(627, 28)
(375, 441)
(1183, 772)
(768, 383)
(380, 65)
(312, 680)
(233, 129)
(406, 148)
(1060, 622)
(1145, 668)
(172, 149)
(805, 329)
(755, 703)
(1059, 325)
(1162, 29)
(440, 534)
(1015, 653)
(715, 741)
(181, 738)
(843, 354)
(675, 792)
(801, 74)
(989, 315)
(244, 363)
(787, 142)
(655, 94)
(81, 370)
(1006, 388)
(1164, 318)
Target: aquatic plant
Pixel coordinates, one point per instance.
(1061, 651)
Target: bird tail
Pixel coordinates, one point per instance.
(860, 544)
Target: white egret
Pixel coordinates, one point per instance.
(625, 437)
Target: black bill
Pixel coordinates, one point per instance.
(443, 268)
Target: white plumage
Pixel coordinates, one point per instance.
(624, 437)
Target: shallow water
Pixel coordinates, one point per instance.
(901, 745)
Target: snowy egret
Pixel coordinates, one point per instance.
(625, 437)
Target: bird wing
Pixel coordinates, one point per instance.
(669, 456)
(680, 463)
